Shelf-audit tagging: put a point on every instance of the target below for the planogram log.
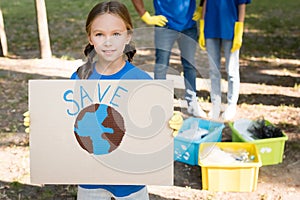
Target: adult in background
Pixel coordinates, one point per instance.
(222, 25)
(174, 23)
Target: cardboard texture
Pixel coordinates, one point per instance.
(101, 132)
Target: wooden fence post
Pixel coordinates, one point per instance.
(3, 41)
(43, 29)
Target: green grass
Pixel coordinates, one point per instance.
(66, 21)
(272, 27)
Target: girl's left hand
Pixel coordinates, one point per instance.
(176, 122)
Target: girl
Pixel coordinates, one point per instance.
(109, 31)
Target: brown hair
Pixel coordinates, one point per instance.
(113, 7)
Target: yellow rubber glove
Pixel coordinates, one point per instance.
(26, 121)
(197, 14)
(158, 20)
(176, 122)
(238, 36)
(202, 37)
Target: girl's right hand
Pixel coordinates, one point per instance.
(26, 121)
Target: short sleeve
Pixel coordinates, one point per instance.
(244, 1)
(74, 76)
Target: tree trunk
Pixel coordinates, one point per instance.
(3, 41)
(43, 29)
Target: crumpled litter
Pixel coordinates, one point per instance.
(260, 130)
(194, 132)
(216, 155)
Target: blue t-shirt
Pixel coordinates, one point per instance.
(178, 12)
(220, 17)
(127, 72)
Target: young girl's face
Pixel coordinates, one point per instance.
(109, 36)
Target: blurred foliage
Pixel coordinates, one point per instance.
(271, 27)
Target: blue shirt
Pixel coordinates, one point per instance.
(127, 72)
(220, 17)
(178, 12)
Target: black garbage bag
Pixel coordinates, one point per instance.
(261, 130)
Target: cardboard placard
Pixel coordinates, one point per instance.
(101, 132)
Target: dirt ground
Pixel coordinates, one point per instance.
(269, 88)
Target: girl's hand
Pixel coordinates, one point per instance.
(26, 121)
(176, 122)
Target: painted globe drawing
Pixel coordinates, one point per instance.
(99, 129)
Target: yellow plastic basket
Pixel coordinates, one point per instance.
(233, 177)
